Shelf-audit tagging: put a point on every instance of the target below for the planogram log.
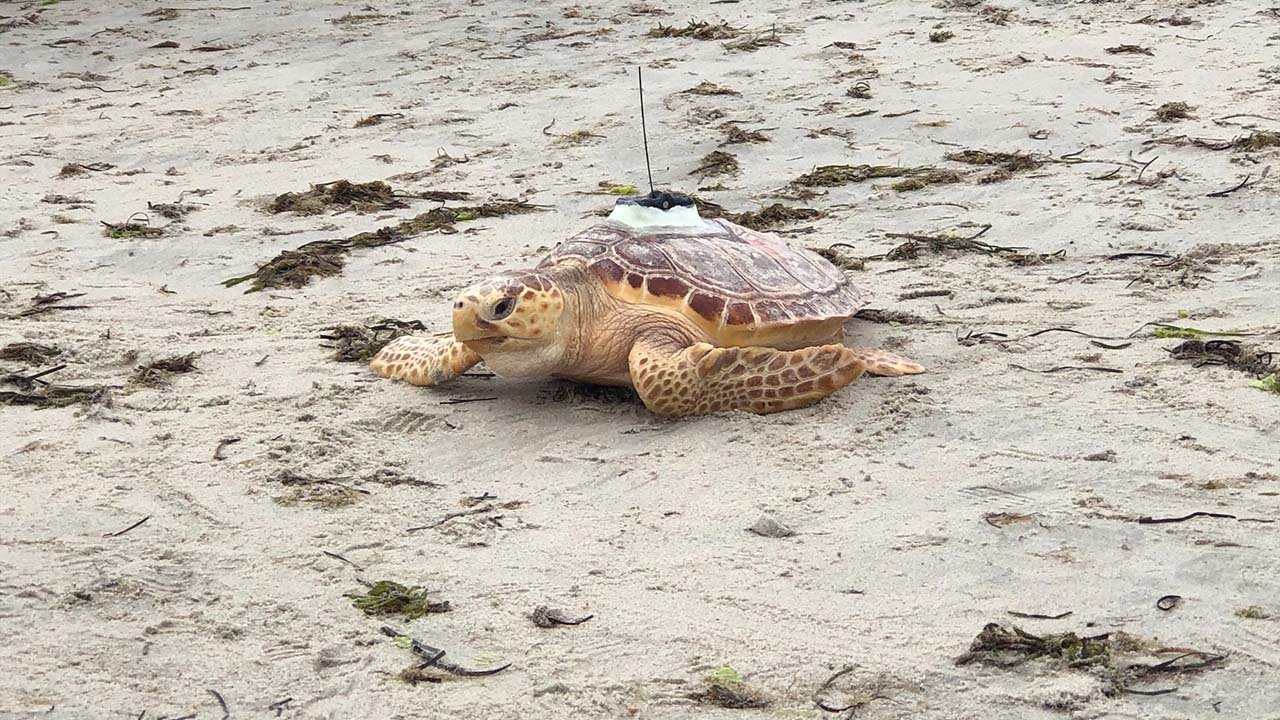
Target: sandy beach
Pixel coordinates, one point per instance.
(1048, 200)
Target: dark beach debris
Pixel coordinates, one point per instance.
(359, 343)
(46, 395)
(697, 30)
(1066, 368)
(324, 258)
(118, 533)
(836, 255)
(138, 225)
(485, 509)
(770, 217)
(325, 492)
(852, 700)
(387, 597)
(940, 36)
(377, 119)
(1006, 164)
(73, 169)
(1129, 50)
(751, 42)
(173, 210)
(1168, 602)
(725, 688)
(28, 352)
(577, 137)
(222, 703)
(223, 444)
(1255, 141)
(1246, 181)
(735, 135)
(545, 617)
(1005, 519)
(362, 197)
(434, 657)
(709, 88)
(1039, 616)
(1147, 520)
(924, 180)
(717, 162)
(1173, 112)
(917, 243)
(1253, 612)
(1109, 656)
(1230, 353)
(861, 90)
(56, 199)
(837, 175)
(162, 370)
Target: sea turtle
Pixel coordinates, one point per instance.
(699, 316)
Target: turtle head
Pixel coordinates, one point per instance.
(513, 321)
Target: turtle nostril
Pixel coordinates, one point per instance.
(457, 305)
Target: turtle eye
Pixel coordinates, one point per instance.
(504, 308)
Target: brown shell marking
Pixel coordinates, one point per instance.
(742, 287)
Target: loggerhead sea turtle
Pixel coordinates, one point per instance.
(699, 316)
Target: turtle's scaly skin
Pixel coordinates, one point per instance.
(697, 319)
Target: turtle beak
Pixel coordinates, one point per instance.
(467, 323)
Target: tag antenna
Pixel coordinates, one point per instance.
(644, 131)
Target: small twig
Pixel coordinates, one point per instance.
(452, 515)
(121, 532)
(459, 401)
(217, 453)
(226, 713)
(1038, 616)
(1156, 521)
(1243, 184)
(336, 556)
(1062, 368)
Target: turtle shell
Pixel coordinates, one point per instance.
(740, 286)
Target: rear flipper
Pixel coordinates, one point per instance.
(681, 380)
(423, 360)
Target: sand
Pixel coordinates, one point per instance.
(894, 487)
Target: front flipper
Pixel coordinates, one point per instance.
(676, 380)
(423, 360)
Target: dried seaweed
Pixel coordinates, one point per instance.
(940, 36)
(735, 135)
(362, 197)
(754, 41)
(1103, 655)
(387, 597)
(709, 88)
(359, 343)
(161, 371)
(717, 162)
(725, 688)
(1230, 353)
(922, 181)
(1129, 50)
(1006, 164)
(836, 175)
(769, 217)
(842, 260)
(28, 352)
(696, 29)
(1173, 112)
(916, 244)
(131, 228)
(324, 258)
